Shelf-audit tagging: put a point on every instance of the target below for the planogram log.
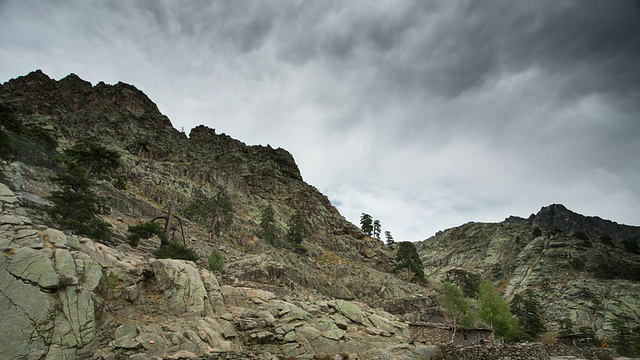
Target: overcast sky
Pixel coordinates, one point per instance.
(424, 114)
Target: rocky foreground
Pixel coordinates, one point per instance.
(67, 297)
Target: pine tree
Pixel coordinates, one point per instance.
(565, 326)
(216, 212)
(98, 161)
(407, 258)
(297, 232)
(377, 229)
(268, 225)
(627, 341)
(526, 309)
(76, 206)
(145, 231)
(366, 224)
(387, 235)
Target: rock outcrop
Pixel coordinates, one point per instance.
(165, 168)
(68, 297)
(577, 265)
(46, 289)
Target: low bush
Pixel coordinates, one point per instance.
(144, 231)
(216, 262)
(174, 250)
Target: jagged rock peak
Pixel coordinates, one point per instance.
(120, 115)
(202, 132)
(557, 218)
(72, 78)
(205, 138)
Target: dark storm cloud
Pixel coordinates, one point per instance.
(451, 47)
(426, 114)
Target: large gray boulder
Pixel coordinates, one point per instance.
(180, 282)
(34, 266)
(7, 196)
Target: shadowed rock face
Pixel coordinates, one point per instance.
(557, 218)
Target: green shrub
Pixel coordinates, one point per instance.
(144, 231)
(468, 282)
(76, 207)
(174, 250)
(216, 262)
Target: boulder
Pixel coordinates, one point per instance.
(25, 317)
(211, 285)
(29, 238)
(234, 296)
(350, 311)
(12, 174)
(11, 220)
(75, 326)
(56, 237)
(7, 196)
(180, 283)
(33, 265)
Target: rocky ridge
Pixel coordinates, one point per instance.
(577, 265)
(165, 168)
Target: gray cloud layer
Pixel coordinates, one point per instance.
(426, 114)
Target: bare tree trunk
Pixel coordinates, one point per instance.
(453, 336)
(167, 223)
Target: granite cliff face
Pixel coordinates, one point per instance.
(582, 268)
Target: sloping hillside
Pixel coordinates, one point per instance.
(583, 268)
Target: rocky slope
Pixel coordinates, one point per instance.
(582, 268)
(164, 168)
(68, 297)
